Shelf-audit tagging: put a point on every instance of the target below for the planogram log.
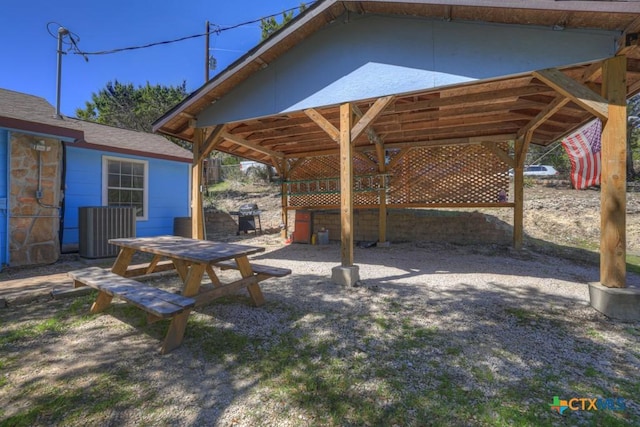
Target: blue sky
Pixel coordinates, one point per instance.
(29, 59)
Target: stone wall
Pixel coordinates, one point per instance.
(403, 225)
(33, 224)
(413, 225)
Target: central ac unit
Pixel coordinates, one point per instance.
(98, 224)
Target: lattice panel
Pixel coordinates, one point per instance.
(451, 174)
(315, 200)
(421, 176)
(329, 167)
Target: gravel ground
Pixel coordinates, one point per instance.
(474, 329)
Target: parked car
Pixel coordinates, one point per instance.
(538, 170)
(246, 166)
(258, 170)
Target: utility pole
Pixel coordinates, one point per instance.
(206, 53)
(61, 33)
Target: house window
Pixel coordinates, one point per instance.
(125, 183)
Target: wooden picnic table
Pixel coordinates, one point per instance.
(192, 258)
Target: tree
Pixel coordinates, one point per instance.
(270, 25)
(128, 107)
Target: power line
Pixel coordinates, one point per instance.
(217, 30)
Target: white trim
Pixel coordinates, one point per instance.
(105, 180)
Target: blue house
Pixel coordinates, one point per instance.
(50, 167)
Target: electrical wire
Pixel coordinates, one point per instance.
(217, 30)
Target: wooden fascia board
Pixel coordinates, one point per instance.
(211, 141)
(372, 113)
(578, 93)
(323, 123)
(243, 142)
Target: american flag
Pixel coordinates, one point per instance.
(583, 148)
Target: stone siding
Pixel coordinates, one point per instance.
(33, 226)
(415, 225)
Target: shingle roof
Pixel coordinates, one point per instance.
(31, 113)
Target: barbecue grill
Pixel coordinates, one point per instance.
(247, 215)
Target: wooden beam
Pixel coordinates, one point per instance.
(372, 113)
(544, 115)
(372, 135)
(400, 145)
(630, 42)
(346, 186)
(250, 145)
(324, 124)
(398, 157)
(499, 153)
(364, 158)
(613, 182)
(211, 142)
(521, 147)
(284, 199)
(578, 93)
(196, 186)
(382, 193)
(592, 72)
(491, 94)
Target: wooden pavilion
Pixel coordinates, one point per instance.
(388, 104)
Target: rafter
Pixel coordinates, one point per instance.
(324, 124)
(581, 95)
(547, 112)
(372, 113)
(244, 143)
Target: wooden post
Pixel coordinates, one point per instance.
(284, 198)
(196, 183)
(521, 146)
(613, 181)
(346, 185)
(382, 211)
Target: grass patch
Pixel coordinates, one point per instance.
(521, 315)
(594, 334)
(633, 263)
(59, 401)
(215, 342)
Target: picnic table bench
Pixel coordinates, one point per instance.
(160, 304)
(191, 258)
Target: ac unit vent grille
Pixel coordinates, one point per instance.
(99, 224)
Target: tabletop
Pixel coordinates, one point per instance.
(184, 248)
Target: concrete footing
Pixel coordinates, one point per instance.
(346, 276)
(616, 303)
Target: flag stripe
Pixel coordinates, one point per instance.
(583, 148)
